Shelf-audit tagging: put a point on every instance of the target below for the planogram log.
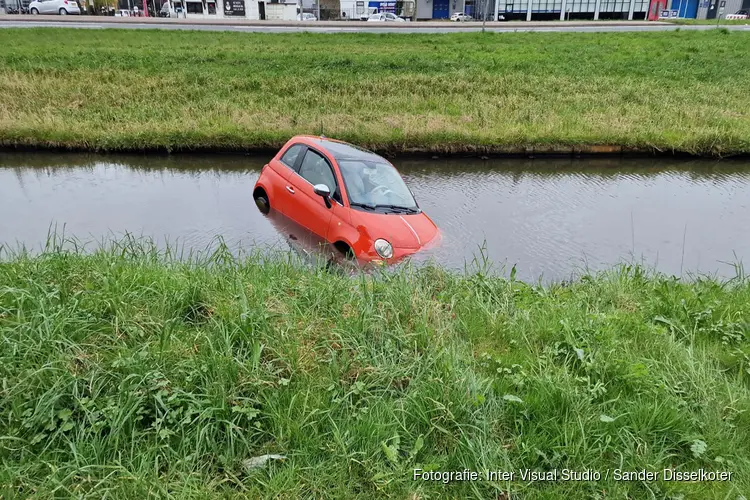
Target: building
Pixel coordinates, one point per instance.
(709, 9)
(535, 10)
(285, 10)
(14, 6)
(361, 9)
(279, 10)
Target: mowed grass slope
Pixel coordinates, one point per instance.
(127, 375)
(131, 90)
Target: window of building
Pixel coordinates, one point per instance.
(517, 6)
(195, 7)
(588, 6)
(546, 6)
(641, 6)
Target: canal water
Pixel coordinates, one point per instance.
(551, 218)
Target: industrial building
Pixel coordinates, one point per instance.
(543, 10)
(709, 9)
(534, 10)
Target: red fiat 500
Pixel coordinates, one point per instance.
(350, 197)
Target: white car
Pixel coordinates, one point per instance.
(740, 14)
(307, 17)
(62, 7)
(122, 13)
(385, 17)
(460, 16)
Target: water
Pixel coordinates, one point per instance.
(551, 218)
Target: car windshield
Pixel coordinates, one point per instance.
(372, 184)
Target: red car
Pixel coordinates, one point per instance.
(348, 196)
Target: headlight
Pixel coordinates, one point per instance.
(384, 249)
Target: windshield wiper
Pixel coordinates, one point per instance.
(411, 210)
(395, 208)
(363, 205)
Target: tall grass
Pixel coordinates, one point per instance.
(126, 373)
(171, 90)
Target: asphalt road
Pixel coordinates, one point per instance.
(345, 27)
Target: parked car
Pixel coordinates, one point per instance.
(307, 17)
(122, 13)
(740, 14)
(62, 7)
(385, 17)
(349, 197)
(460, 16)
(366, 15)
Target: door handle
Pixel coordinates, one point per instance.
(290, 189)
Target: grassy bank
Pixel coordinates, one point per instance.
(124, 374)
(126, 90)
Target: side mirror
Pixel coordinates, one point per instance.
(322, 190)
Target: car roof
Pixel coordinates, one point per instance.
(342, 150)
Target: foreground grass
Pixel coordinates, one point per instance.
(125, 374)
(125, 90)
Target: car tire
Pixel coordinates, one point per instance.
(261, 201)
(63, 12)
(34, 12)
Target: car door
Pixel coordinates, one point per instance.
(281, 195)
(45, 7)
(306, 207)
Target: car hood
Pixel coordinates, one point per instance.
(401, 230)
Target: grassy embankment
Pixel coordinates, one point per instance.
(124, 374)
(124, 90)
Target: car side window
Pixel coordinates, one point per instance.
(316, 170)
(290, 157)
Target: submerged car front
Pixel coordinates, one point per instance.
(389, 223)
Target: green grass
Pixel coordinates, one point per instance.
(127, 374)
(130, 90)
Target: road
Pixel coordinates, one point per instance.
(341, 26)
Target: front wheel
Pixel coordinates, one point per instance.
(63, 12)
(34, 11)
